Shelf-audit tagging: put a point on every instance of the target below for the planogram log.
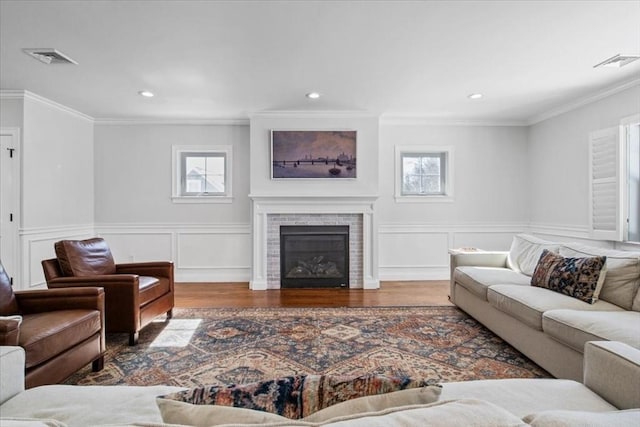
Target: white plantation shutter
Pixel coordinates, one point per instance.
(605, 190)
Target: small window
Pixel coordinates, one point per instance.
(201, 174)
(424, 174)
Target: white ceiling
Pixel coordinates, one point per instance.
(230, 59)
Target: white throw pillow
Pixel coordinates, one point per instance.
(525, 252)
(463, 412)
(211, 415)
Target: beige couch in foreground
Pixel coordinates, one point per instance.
(548, 327)
(611, 387)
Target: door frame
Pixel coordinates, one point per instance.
(10, 203)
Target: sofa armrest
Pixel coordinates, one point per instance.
(477, 259)
(9, 331)
(612, 370)
(38, 301)
(12, 362)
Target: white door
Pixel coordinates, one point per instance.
(9, 201)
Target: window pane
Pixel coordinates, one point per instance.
(204, 173)
(431, 165)
(422, 174)
(431, 184)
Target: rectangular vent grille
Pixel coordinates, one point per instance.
(49, 56)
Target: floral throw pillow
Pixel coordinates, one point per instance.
(581, 278)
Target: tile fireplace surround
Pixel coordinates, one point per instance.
(269, 212)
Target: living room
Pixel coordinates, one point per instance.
(506, 169)
(95, 158)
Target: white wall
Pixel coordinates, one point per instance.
(490, 202)
(134, 211)
(11, 112)
(57, 181)
(558, 163)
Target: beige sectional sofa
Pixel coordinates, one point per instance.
(549, 327)
(609, 396)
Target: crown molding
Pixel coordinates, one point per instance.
(25, 94)
(581, 102)
(230, 121)
(316, 114)
(411, 120)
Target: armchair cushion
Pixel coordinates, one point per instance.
(46, 334)
(152, 288)
(81, 258)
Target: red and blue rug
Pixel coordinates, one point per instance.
(238, 346)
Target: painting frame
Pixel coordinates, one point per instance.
(320, 154)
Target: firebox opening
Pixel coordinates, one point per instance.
(314, 256)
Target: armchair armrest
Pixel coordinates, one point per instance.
(9, 331)
(154, 268)
(612, 370)
(60, 299)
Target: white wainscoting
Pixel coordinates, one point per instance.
(37, 244)
(222, 253)
(201, 252)
(420, 251)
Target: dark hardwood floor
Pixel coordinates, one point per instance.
(398, 294)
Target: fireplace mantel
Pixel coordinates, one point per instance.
(265, 205)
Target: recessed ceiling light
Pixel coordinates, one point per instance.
(617, 61)
(313, 95)
(146, 93)
(475, 96)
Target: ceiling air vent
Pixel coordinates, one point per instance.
(617, 61)
(49, 56)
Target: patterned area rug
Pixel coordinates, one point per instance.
(226, 346)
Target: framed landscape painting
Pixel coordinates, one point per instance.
(313, 154)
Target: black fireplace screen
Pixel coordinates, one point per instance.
(314, 256)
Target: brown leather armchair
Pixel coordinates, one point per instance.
(61, 330)
(135, 293)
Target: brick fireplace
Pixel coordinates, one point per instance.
(354, 212)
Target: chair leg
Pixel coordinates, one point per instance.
(170, 314)
(133, 338)
(97, 364)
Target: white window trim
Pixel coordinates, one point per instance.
(176, 173)
(625, 123)
(448, 197)
(618, 198)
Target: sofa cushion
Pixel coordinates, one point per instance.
(80, 258)
(575, 327)
(528, 303)
(45, 335)
(580, 278)
(522, 396)
(525, 252)
(477, 279)
(630, 417)
(87, 405)
(623, 272)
